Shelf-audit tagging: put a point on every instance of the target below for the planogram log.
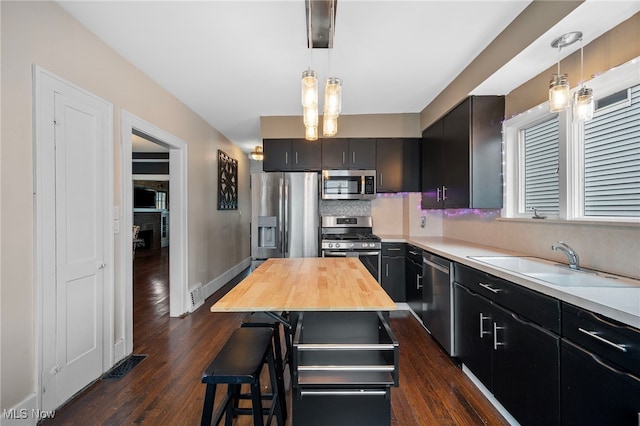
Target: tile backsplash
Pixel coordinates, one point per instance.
(345, 208)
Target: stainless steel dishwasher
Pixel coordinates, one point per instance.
(437, 299)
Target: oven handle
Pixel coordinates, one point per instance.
(344, 253)
(334, 253)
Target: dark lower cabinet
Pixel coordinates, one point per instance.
(600, 370)
(516, 360)
(595, 391)
(473, 333)
(393, 277)
(526, 369)
(413, 276)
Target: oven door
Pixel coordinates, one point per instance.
(370, 259)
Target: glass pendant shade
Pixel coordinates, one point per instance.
(310, 116)
(333, 97)
(257, 154)
(311, 133)
(583, 104)
(559, 98)
(329, 125)
(309, 89)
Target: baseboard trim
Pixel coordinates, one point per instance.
(25, 413)
(219, 282)
(492, 399)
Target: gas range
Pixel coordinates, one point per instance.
(348, 233)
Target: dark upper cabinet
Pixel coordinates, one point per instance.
(291, 155)
(462, 156)
(432, 166)
(335, 153)
(398, 165)
(341, 153)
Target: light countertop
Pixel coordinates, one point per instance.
(619, 303)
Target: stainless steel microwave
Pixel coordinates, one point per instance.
(348, 184)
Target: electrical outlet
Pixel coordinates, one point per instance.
(423, 221)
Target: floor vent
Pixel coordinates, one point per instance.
(196, 297)
(123, 368)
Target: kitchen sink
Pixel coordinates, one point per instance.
(555, 273)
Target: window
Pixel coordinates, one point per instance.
(578, 171)
(541, 166)
(612, 159)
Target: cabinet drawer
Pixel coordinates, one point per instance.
(394, 249)
(613, 340)
(344, 349)
(529, 304)
(414, 253)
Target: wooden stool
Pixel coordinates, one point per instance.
(260, 319)
(240, 361)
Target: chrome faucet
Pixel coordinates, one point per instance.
(574, 260)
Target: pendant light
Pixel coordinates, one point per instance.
(309, 89)
(311, 133)
(333, 97)
(559, 98)
(329, 126)
(257, 153)
(583, 103)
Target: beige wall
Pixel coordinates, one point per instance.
(41, 33)
(611, 49)
(349, 126)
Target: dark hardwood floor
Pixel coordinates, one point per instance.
(165, 388)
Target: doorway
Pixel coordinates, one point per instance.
(133, 126)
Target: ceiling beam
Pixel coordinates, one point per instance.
(534, 21)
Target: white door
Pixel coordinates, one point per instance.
(74, 299)
(79, 244)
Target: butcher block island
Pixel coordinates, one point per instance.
(344, 354)
(307, 284)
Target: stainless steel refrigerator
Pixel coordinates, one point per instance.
(284, 215)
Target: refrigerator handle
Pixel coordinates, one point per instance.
(281, 213)
(286, 218)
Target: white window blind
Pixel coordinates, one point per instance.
(612, 160)
(541, 166)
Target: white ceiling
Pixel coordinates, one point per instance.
(234, 61)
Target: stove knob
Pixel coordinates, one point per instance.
(330, 245)
(337, 245)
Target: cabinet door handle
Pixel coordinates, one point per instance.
(418, 282)
(296, 157)
(438, 195)
(353, 156)
(495, 336)
(594, 334)
(444, 192)
(387, 269)
(491, 289)
(286, 158)
(344, 157)
(381, 184)
(482, 318)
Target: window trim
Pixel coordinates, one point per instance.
(571, 147)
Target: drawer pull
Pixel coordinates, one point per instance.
(482, 318)
(594, 334)
(355, 392)
(379, 368)
(345, 346)
(491, 289)
(394, 249)
(495, 336)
